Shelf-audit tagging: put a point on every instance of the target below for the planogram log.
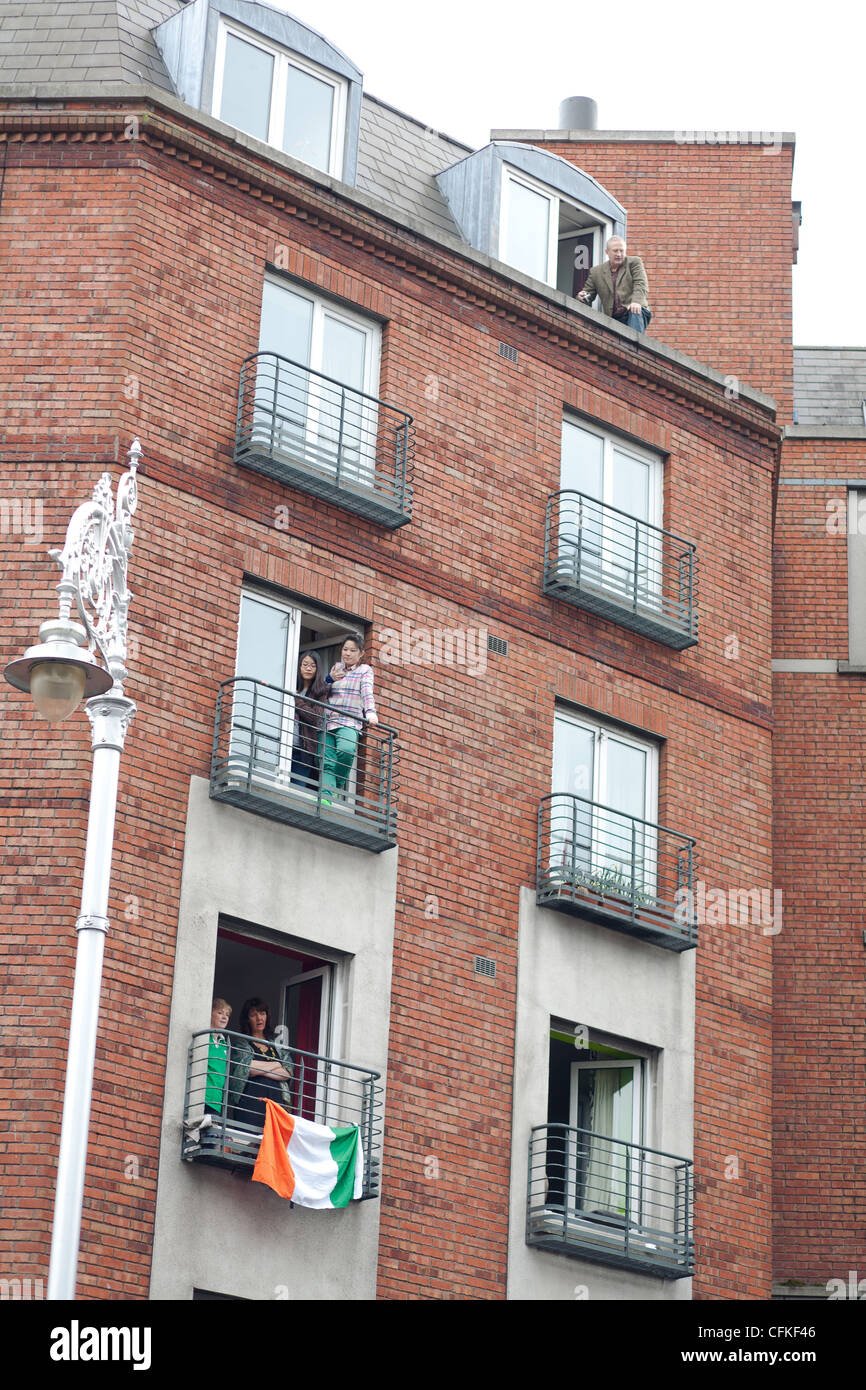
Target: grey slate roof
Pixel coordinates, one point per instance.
(829, 385)
(49, 41)
(398, 159)
(46, 42)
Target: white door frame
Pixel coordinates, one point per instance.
(287, 720)
(601, 734)
(330, 1025)
(636, 1064)
(316, 394)
(611, 446)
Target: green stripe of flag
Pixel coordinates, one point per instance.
(344, 1152)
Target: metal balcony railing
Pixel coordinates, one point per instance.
(601, 559)
(594, 861)
(609, 1201)
(272, 754)
(322, 1089)
(309, 430)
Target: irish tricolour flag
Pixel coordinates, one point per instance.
(313, 1165)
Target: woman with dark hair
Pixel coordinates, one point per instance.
(261, 1070)
(309, 721)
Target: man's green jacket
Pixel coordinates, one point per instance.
(631, 284)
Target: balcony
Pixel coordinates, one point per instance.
(607, 562)
(628, 873)
(609, 1201)
(324, 438)
(322, 1089)
(258, 763)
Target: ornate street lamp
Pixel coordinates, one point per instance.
(58, 672)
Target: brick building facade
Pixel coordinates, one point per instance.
(492, 968)
(818, 713)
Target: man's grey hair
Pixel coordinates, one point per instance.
(612, 239)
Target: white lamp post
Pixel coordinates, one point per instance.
(58, 672)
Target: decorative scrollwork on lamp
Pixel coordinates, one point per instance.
(62, 667)
(94, 562)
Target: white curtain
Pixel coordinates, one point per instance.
(604, 1186)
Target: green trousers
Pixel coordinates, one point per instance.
(341, 745)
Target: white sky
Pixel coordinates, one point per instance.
(468, 66)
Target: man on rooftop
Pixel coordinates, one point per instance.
(622, 286)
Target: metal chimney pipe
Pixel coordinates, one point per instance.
(578, 113)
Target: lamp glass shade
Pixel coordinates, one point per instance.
(57, 688)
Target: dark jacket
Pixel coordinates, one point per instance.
(242, 1053)
(309, 723)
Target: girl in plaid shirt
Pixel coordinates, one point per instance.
(351, 702)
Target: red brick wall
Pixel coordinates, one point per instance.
(713, 226)
(161, 297)
(819, 757)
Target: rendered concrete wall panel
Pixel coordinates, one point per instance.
(215, 1230)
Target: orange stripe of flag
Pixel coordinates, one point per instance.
(272, 1165)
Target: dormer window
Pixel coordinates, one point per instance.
(532, 210)
(280, 98)
(266, 74)
(547, 236)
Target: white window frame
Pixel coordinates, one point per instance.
(324, 309)
(636, 1064)
(856, 576)
(284, 59)
(602, 732)
(600, 234)
(282, 771)
(601, 227)
(651, 585)
(645, 1057)
(614, 442)
(602, 231)
(637, 1117)
(330, 1019)
(644, 1062)
(326, 974)
(511, 176)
